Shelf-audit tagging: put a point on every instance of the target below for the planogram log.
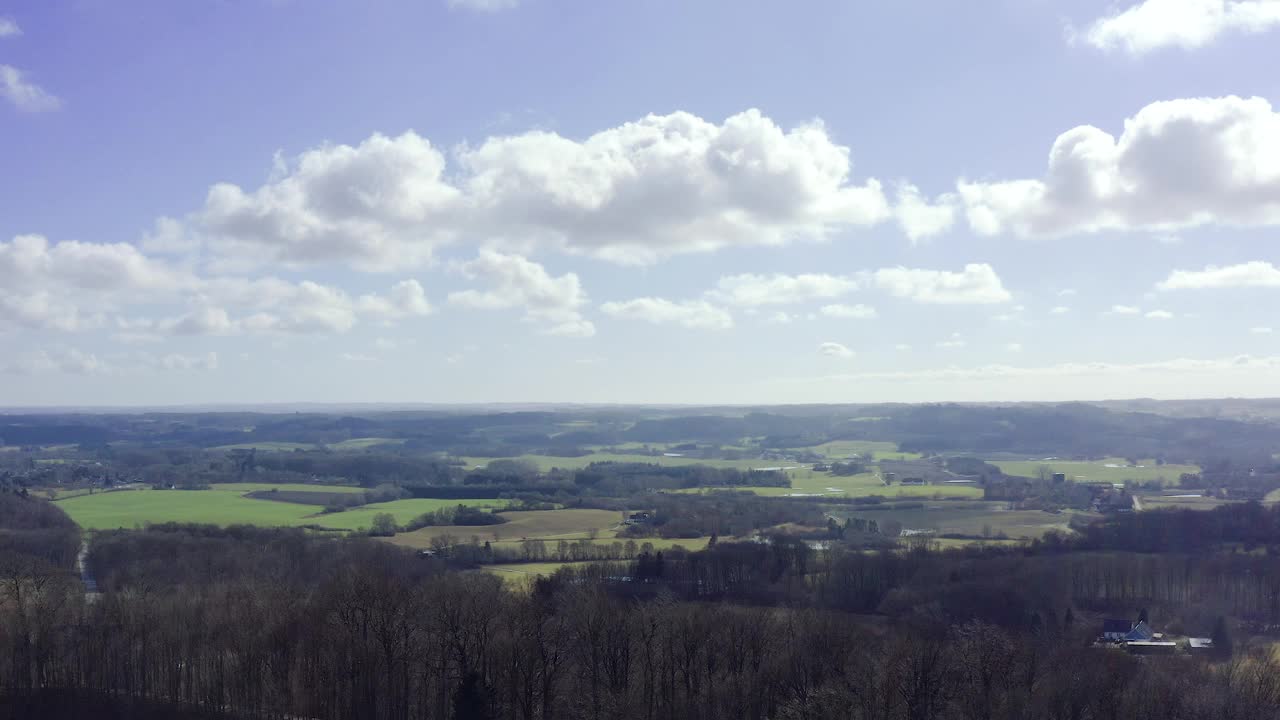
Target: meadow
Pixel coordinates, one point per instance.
(226, 505)
(875, 449)
(806, 482)
(569, 524)
(973, 519)
(1107, 470)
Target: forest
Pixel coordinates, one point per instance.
(197, 621)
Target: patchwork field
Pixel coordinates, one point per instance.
(226, 505)
(972, 519)
(353, 444)
(1110, 470)
(878, 450)
(806, 482)
(544, 524)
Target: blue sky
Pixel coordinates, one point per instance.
(729, 202)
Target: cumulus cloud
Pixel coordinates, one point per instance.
(1188, 24)
(955, 341)
(1013, 347)
(976, 284)
(921, 219)
(70, 361)
(1250, 274)
(1123, 310)
(1180, 366)
(693, 314)
(47, 285)
(516, 282)
(1178, 164)
(636, 193)
(1260, 330)
(1159, 315)
(854, 312)
(835, 349)
(752, 290)
(24, 94)
(9, 28)
(1060, 310)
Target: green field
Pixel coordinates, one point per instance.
(225, 505)
(807, 482)
(546, 462)
(972, 519)
(402, 510)
(268, 446)
(136, 508)
(878, 450)
(1098, 470)
(542, 524)
(344, 446)
(244, 488)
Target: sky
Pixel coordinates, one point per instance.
(727, 201)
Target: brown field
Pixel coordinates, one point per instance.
(546, 524)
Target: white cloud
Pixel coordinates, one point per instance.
(9, 28)
(1013, 347)
(1181, 366)
(834, 349)
(1066, 292)
(694, 314)
(405, 299)
(1060, 310)
(921, 219)
(357, 357)
(24, 94)
(1188, 24)
(902, 347)
(484, 5)
(1123, 310)
(753, 290)
(1159, 315)
(779, 317)
(1250, 274)
(955, 341)
(76, 362)
(855, 312)
(1260, 330)
(1178, 164)
(555, 302)
(636, 193)
(976, 284)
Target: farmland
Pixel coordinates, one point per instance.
(875, 449)
(973, 519)
(1108, 470)
(805, 481)
(226, 505)
(547, 524)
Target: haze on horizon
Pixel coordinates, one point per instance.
(479, 201)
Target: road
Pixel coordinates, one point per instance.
(90, 584)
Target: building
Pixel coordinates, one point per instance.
(1141, 632)
(1151, 647)
(1200, 646)
(1114, 630)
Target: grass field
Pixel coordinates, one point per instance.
(545, 524)
(972, 519)
(345, 446)
(225, 505)
(135, 508)
(402, 510)
(806, 482)
(1156, 502)
(546, 462)
(518, 574)
(267, 446)
(243, 488)
(876, 449)
(1111, 470)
